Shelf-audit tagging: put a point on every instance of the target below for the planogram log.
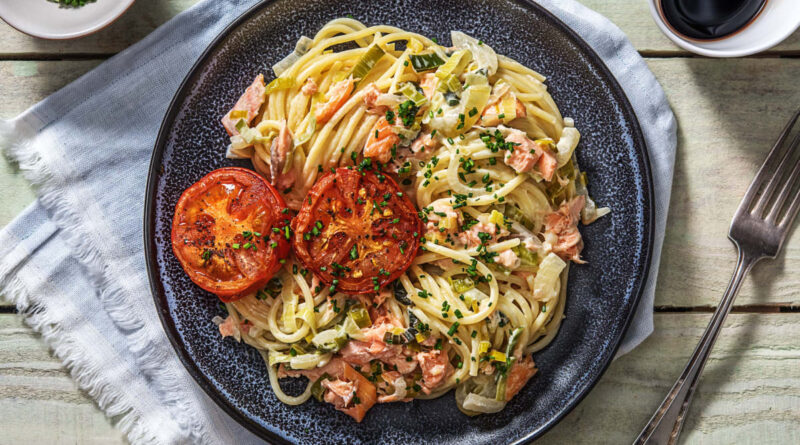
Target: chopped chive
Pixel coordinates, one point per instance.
(453, 329)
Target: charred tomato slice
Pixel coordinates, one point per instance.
(356, 231)
(230, 232)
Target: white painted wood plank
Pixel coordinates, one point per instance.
(23, 84)
(729, 114)
(635, 20)
(632, 16)
(750, 392)
(26, 82)
(39, 401)
(140, 20)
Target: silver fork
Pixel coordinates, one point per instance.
(758, 230)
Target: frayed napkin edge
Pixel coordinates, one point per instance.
(88, 378)
(17, 138)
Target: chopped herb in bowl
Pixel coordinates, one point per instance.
(71, 3)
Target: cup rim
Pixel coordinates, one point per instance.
(689, 44)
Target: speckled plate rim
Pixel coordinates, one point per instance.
(149, 225)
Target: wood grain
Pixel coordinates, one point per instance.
(729, 114)
(22, 84)
(140, 20)
(632, 16)
(750, 392)
(39, 401)
(728, 117)
(26, 82)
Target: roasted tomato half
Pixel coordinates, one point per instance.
(230, 232)
(356, 231)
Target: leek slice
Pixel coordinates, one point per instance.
(311, 126)
(476, 78)
(566, 144)
(310, 129)
(484, 55)
(238, 148)
(497, 356)
(461, 117)
(449, 72)
(302, 47)
(455, 64)
(508, 108)
(301, 361)
(475, 403)
(425, 62)
(513, 212)
(360, 316)
(527, 257)
(557, 193)
(248, 136)
(474, 101)
(544, 285)
(413, 94)
(497, 218)
(502, 378)
(513, 339)
(289, 308)
(352, 330)
(278, 357)
(367, 62)
(449, 83)
(331, 340)
(316, 389)
(461, 285)
(306, 361)
(280, 83)
(307, 314)
(414, 45)
(483, 387)
(241, 125)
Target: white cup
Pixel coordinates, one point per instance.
(777, 21)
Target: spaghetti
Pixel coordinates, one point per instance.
(475, 140)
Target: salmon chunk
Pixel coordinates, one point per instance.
(250, 102)
(562, 225)
(380, 141)
(337, 96)
(519, 374)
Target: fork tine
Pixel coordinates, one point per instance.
(788, 218)
(787, 188)
(775, 178)
(763, 172)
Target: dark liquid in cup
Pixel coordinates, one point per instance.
(710, 19)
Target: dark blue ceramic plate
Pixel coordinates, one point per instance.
(602, 294)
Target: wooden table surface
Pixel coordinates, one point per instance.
(728, 111)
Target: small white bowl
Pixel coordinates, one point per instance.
(777, 21)
(41, 18)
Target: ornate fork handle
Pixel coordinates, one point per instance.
(665, 425)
